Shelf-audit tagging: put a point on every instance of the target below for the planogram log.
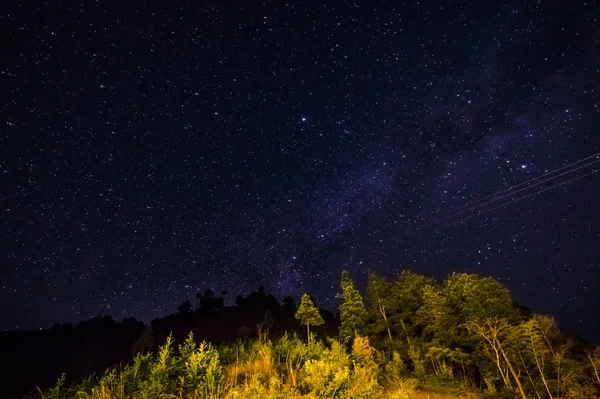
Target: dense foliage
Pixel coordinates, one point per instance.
(406, 337)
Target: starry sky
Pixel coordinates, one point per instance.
(151, 150)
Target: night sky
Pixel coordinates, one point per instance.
(152, 150)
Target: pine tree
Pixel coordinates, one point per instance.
(353, 314)
(308, 314)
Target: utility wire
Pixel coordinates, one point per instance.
(496, 197)
(521, 198)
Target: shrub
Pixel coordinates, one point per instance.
(328, 376)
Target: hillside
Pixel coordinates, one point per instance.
(411, 337)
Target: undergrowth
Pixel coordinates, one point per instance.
(287, 368)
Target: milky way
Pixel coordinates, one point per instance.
(148, 152)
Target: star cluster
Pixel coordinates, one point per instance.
(151, 151)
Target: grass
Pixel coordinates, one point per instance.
(286, 369)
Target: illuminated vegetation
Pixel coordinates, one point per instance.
(409, 338)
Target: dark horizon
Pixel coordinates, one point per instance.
(230, 302)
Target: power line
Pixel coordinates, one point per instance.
(528, 181)
(490, 199)
(521, 198)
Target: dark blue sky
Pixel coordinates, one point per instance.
(151, 151)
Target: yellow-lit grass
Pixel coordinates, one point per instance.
(428, 395)
(259, 365)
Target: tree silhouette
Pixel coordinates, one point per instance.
(289, 305)
(308, 314)
(207, 302)
(185, 307)
(258, 302)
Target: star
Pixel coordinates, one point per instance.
(181, 157)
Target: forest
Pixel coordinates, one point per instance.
(407, 337)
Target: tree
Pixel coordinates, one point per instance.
(407, 298)
(534, 337)
(492, 330)
(207, 301)
(308, 314)
(432, 316)
(466, 297)
(185, 307)
(288, 306)
(379, 299)
(475, 297)
(353, 314)
(551, 353)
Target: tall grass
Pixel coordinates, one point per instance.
(262, 369)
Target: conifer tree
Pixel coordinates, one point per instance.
(353, 314)
(308, 314)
